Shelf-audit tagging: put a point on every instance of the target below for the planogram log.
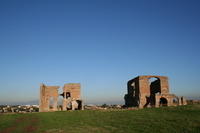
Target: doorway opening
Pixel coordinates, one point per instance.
(51, 103)
(163, 101)
(155, 87)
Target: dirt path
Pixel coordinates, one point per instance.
(32, 126)
(23, 124)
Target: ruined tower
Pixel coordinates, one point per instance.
(72, 93)
(46, 94)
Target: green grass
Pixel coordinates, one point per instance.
(182, 119)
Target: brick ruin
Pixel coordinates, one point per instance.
(151, 91)
(71, 97)
(143, 91)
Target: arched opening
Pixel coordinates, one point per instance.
(163, 101)
(181, 100)
(155, 87)
(175, 101)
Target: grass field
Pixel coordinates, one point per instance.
(182, 119)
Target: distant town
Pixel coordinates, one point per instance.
(18, 108)
(35, 108)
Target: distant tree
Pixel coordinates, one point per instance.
(104, 105)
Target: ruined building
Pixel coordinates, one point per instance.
(71, 93)
(151, 91)
(46, 93)
(71, 97)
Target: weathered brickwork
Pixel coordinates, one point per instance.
(71, 97)
(142, 92)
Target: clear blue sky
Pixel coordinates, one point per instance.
(98, 43)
